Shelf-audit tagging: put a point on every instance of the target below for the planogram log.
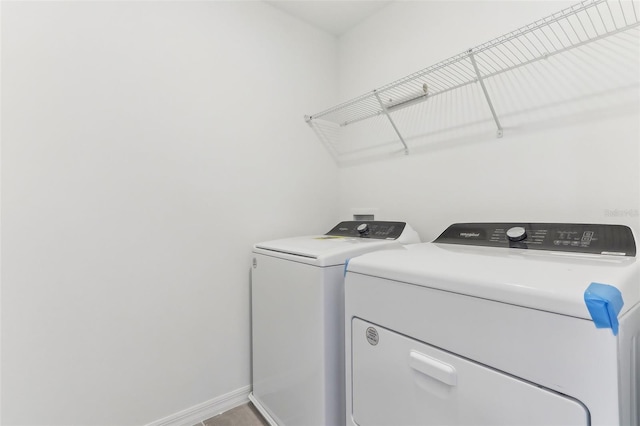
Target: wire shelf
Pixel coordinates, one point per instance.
(573, 27)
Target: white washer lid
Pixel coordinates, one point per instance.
(322, 250)
(549, 281)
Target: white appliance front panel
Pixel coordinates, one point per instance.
(565, 354)
(322, 250)
(547, 281)
(427, 386)
(298, 341)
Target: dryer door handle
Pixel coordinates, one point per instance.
(434, 368)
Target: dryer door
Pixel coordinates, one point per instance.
(400, 381)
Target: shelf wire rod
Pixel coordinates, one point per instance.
(574, 30)
(398, 98)
(369, 106)
(408, 91)
(354, 113)
(392, 97)
(624, 16)
(481, 60)
(522, 55)
(435, 87)
(351, 116)
(445, 78)
(586, 34)
(485, 67)
(491, 58)
(408, 96)
(436, 72)
(419, 74)
(602, 19)
(544, 33)
(436, 82)
(465, 72)
(407, 102)
(442, 87)
(595, 29)
(521, 40)
(384, 109)
(510, 56)
(584, 6)
(615, 24)
(364, 100)
(495, 59)
(556, 34)
(342, 106)
(499, 59)
(485, 61)
(488, 62)
(401, 90)
(361, 118)
(486, 93)
(635, 26)
(423, 98)
(440, 83)
(564, 31)
(448, 76)
(415, 91)
(346, 113)
(377, 113)
(401, 93)
(634, 10)
(456, 76)
(622, 30)
(544, 46)
(341, 117)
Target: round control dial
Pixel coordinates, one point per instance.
(363, 228)
(517, 233)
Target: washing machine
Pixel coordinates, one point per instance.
(496, 324)
(297, 290)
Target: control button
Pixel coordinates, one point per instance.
(363, 228)
(517, 233)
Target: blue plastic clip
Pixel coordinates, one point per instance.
(604, 303)
(346, 264)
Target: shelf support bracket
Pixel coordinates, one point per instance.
(486, 93)
(386, 112)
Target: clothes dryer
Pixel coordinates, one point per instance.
(298, 319)
(496, 324)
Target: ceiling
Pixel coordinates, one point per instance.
(333, 16)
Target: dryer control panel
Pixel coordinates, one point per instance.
(372, 229)
(568, 237)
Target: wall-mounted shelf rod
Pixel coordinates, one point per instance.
(570, 28)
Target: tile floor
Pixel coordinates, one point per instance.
(243, 415)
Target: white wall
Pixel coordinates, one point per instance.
(145, 147)
(570, 147)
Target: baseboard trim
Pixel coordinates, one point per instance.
(206, 410)
(262, 410)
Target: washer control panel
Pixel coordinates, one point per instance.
(370, 229)
(567, 237)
